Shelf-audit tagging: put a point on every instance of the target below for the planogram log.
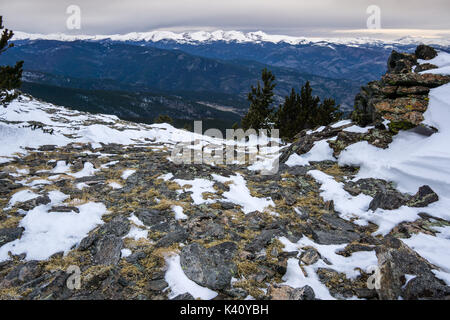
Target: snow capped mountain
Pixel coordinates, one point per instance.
(227, 36)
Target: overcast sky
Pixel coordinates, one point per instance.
(291, 17)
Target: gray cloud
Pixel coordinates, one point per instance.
(292, 17)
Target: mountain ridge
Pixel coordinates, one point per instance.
(227, 36)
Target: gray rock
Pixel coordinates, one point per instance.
(400, 62)
(10, 234)
(64, 209)
(389, 200)
(423, 197)
(151, 217)
(118, 226)
(284, 292)
(338, 223)
(238, 293)
(177, 236)
(425, 52)
(227, 205)
(87, 242)
(305, 293)
(334, 236)
(157, 285)
(395, 261)
(6, 186)
(184, 296)
(30, 204)
(213, 267)
(108, 250)
(310, 256)
(135, 257)
(262, 240)
(22, 273)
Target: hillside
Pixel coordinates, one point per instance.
(121, 203)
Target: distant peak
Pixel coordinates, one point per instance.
(198, 37)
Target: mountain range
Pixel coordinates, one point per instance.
(198, 75)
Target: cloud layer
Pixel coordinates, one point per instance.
(293, 17)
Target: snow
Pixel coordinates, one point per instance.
(321, 151)
(358, 129)
(87, 171)
(179, 283)
(348, 265)
(350, 207)
(442, 61)
(127, 173)
(61, 167)
(137, 233)
(199, 37)
(434, 249)
(22, 196)
(13, 138)
(136, 220)
(341, 123)
(179, 215)
(240, 194)
(166, 177)
(47, 233)
(197, 186)
(125, 253)
(115, 185)
(295, 278)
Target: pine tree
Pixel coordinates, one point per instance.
(163, 118)
(10, 77)
(304, 111)
(260, 113)
(328, 112)
(288, 114)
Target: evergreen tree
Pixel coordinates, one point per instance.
(162, 118)
(10, 77)
(260, 113)
(304, 111)
(328, 112)
(288, 114)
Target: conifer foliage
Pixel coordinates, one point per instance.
(304, 111)
(260, 114)
(10, 77)
(163, 118)
(298, 112)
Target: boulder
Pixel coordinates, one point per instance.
(10, 234)
(262, 240)
(284, 292)
(425, 52)
(423, 197)
(397, 264)
(388, 200)
(400, 62)
(334, 236)
(310, 256)
(108, 250)
(213, 267)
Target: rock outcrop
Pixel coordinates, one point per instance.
(401, 96)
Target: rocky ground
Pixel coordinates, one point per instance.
(186, 231)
